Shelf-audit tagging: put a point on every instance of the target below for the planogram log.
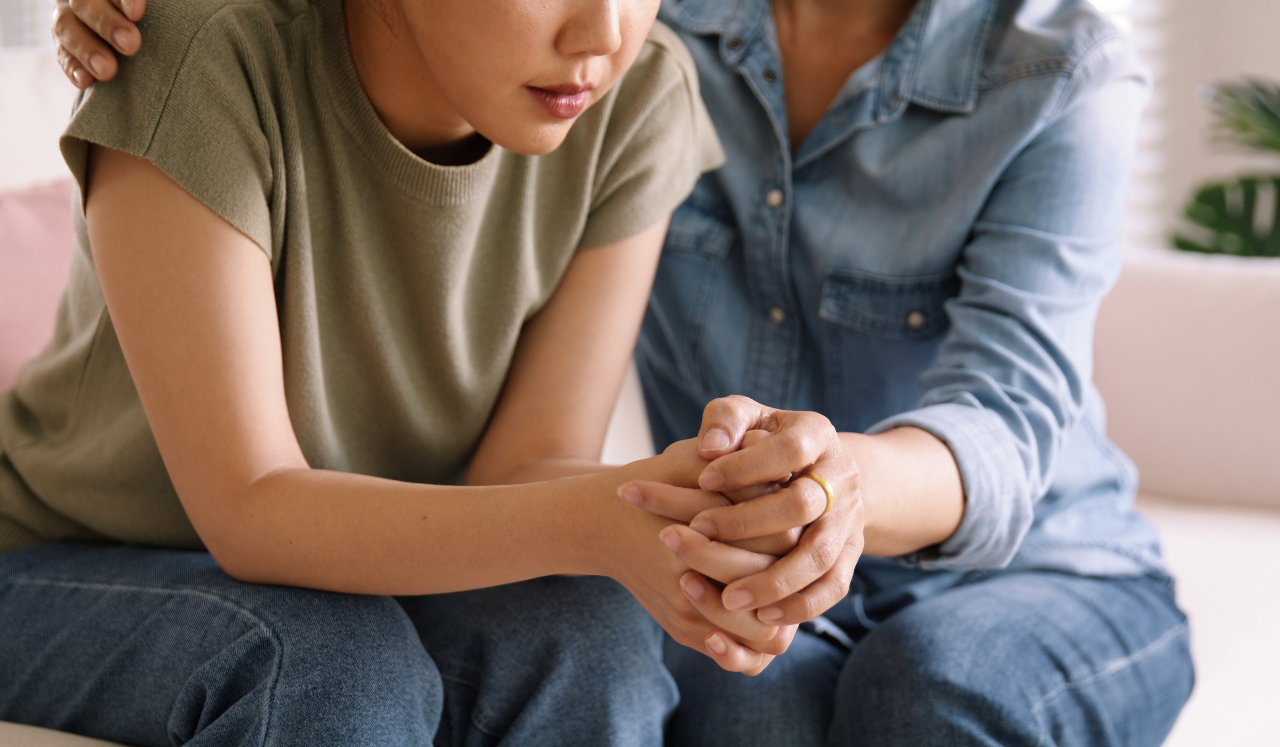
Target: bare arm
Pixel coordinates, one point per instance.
(198, 328)
(568, 369)
(193, 306)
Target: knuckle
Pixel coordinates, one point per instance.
(824, 552)
(792, 445)
(738, 524)
(775, 587)
(808, 502)
(61, 19)
(775, 646)
(811, 606)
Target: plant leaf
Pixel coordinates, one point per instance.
(1248, 114)
(1240, 217)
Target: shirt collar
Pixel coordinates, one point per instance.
(935, 61)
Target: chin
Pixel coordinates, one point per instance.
(533, 139)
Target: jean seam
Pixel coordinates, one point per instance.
(478, 714)
(259, 622)
(1110, 669)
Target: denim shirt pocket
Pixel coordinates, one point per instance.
(897, 308)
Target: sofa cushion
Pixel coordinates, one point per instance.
(35, 252)
(1188, 352)
(1224, 558)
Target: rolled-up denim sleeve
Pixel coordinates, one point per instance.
(1012, 373)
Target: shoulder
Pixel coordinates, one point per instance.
(1069, 38)
(206, 50)
(172, 27)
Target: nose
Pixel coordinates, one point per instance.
(592, 29)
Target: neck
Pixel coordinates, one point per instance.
(864, 17)
(402, 88)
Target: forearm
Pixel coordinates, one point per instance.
(912, 494)
(536, 470)
(365, 535)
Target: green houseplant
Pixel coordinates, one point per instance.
(1240, 216)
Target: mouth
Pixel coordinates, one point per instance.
(562, 102)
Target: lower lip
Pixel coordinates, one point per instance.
(559, 105)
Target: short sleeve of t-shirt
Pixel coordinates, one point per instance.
(197, 102)
(658, 142)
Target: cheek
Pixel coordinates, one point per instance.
(635, 20)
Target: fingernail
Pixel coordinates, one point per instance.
(98, 64)
(670, 538)
(769, 614)
(693, 588)
(121, 38)
(127, 7)
(714, 440)
(739, 599)
(705, 527)
(82, 79)
(711, 479)
(716, 643)
(629, 493)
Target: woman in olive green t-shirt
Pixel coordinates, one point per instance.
(332, 258)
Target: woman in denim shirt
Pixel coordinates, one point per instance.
(896, 275)
(912, 240)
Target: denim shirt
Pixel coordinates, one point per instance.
(932, 255)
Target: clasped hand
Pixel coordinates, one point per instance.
(763, 556)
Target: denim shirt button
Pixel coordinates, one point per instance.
(839, 118)
(777, 315)
(916, 319)
(769, 75)
(734, 43)
(892, 102)
(773, 198)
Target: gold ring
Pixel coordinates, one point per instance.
(826, 488)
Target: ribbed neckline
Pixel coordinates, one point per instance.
(335, 74)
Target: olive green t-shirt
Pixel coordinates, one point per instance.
(401, 286)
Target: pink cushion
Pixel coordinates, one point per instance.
(35, 255)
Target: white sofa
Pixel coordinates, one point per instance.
(1188, 358)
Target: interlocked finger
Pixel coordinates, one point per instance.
(800, 439)
(678, 504)
(821, 547)
(745, 627)
(811, 601)
(800, 503)
(721, 562)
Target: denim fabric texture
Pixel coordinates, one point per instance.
(159, 647)
(932, 255)
(1011, 658)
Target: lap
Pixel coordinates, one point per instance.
(580, 650)
(149, 646)
(1020, 658)
(1006, 658)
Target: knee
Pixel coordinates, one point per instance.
(315, 663)
(928, 678)
(587, 629)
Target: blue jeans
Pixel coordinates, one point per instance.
(1008, 659)
(159, 647)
